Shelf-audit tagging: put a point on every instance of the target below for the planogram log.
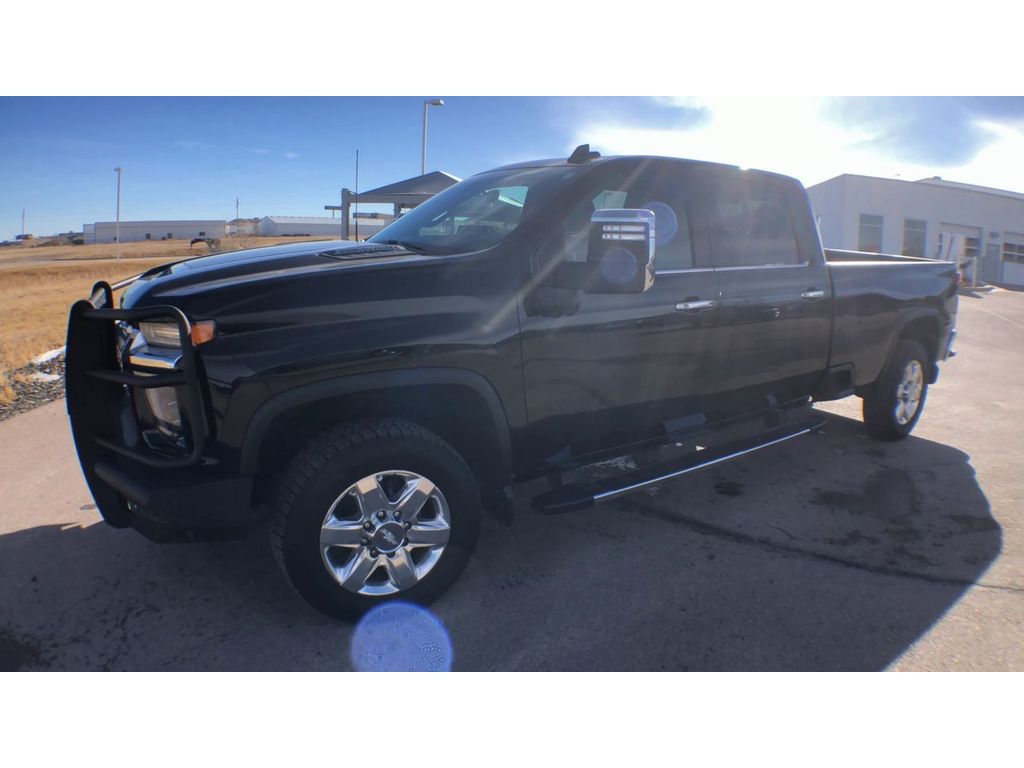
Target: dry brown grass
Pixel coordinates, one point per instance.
(34, 303)
(39, 285)
(168, 250)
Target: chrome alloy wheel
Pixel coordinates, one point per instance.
(385, 532)
(908, 392)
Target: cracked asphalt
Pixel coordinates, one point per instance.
(831, 552)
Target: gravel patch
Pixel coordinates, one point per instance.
(35, 384)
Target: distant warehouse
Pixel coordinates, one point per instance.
(925, 218)
(321, 226)
(134, 231)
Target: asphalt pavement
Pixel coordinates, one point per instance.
(830, 552)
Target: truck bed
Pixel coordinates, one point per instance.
(875, 294)
(838, 256)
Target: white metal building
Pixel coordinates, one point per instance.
(326, 226)
(242, 227)
(922, 218)
(134, 231)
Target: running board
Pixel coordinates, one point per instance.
(569, 498)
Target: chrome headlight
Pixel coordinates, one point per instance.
(163, 402)
(162, 334)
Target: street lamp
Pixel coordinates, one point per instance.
(117, 224)
(426, 104)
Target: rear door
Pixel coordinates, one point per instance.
(775, 300)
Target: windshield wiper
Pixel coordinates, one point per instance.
(400, 244)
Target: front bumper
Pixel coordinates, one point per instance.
(177, 505)
(166, 497)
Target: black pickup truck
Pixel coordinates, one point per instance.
(374, 398)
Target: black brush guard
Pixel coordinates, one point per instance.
(99, 405)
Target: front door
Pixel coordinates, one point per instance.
(609, 369)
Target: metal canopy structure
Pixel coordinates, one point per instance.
(402, 195)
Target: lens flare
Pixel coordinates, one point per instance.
(618, 266)
(666, 223)
(401, 637)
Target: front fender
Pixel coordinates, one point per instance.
(377, 381)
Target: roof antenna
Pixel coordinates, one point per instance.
(582, 154)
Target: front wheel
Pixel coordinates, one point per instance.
(375, 510)
(893, 407)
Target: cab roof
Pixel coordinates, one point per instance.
(561, 162)
(583, 156)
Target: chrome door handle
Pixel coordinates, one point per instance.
(812, 295)
(687, 306)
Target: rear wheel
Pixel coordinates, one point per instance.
(893, 407)
(372, 511)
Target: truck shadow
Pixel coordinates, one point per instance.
(831, 552)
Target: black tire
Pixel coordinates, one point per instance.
(335, 460)
(880, 404)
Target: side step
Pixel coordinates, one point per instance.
(576, 496)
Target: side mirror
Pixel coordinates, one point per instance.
(620, 251)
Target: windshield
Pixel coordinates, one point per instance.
(476, 213)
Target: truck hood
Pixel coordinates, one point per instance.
(179, 280)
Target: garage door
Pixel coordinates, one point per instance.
(971, 248)
(1013, 258)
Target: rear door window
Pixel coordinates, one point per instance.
(750, 224)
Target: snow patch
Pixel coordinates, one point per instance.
(48, 356)
(46, 377)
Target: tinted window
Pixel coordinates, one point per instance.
(750, 224)
(477, 213)
(573, 238)
(657, 187)
(673, 243)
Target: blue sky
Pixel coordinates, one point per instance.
(190, 157)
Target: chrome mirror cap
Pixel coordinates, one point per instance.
(622, 247)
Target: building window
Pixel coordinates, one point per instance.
(1014, 251)
(870, 238)
(914, 231)
(149, 236)
(170, 235)
(202, 234)
(971, 247)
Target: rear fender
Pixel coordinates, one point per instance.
(918, 316)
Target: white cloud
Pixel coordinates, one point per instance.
(257, 150)
(191, 145)
(291, 155)
(790, 135)
(1000, 163)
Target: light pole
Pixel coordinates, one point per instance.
(117, 224)
(427, 103)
